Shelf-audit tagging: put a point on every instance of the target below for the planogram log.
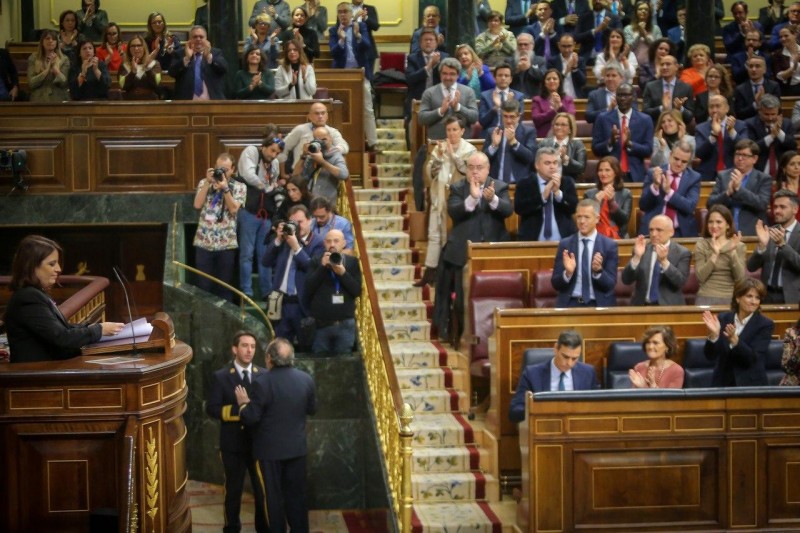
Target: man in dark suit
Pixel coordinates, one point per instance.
(280, 403)
(716, 137)
(571, 66)
(568, 12)
(773, 134)
(545, 31)
(626, 134)
(659, 268)
(592, 29)
(9, 79)
(747, 95)
(743, 189)
(564, 371)
(604, 98)
(772, 14)
(672, 190)
(369, 16)
(735, 32)
(545, 201)
(478, 207)
(519, 13)
(793, 19)
(332, 286)
(530, 68)
(754, 45)
(289, 255)
(585, 270)
(512, 147)
(200, 72)
(489, 112)
(778, 251)
(236, 440)
(668, 92)
(422, 70)
(677, 35)
(431, 19)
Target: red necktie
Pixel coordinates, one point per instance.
(773, 161)
(668, 210)
(623, 156)
(720, 151)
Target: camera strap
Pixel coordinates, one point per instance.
(337, 285)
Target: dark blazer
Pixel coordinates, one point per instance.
(708, 151)
(530, 81)
(520, 157)
(416, 75)
(576, 152)
(37, 331)
(93, 88)
(362, 50)
(733, 39)
(536, 378)
(514, 17)
(578, 74)
(431, 102)
(684, 202)
(283, 399)
(481, 225)
(742, 365)
(320, 288)
(213, 76)
(584, 31)
(621, 217)
(603, 285)
(767, 21)
(674, 35)
(739, 69)
(8, 71)
(596, 103)
(743, 98)
(277, 257)
(488, 115)
(753, 198)
(529, 206)
(654, 90)
(373, 24)
(671, 282)
(221, 405)
(641, 135)
(561, 8)
(790, 271)
(414, 46)
(757, 131)
(539, 40)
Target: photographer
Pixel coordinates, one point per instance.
(289, 255)
(325, 220)
(333, 284)
(218, 198)
(322, 166)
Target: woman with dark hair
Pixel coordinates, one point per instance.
(68, 34)
(658, 372)
(37, 331)
(788, 176)
(158, 37)
(719, 258)
(88, 78)
(641, 32)
(670, 129)
(111, 51)
(496, 44)
(658, 49)
(791, 356)
(297, 193)
(615, 200)
(138, 78)
(295, 78)
(48, 68)
(571, 151)
(92, 20)
(261, 38)
(739, 340)
(786, 62)
(254, 81)
(615, 50)
(303, 34)
(718, 82)
(549, 101)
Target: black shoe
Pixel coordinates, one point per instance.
(427, 278)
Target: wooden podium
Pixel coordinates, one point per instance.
(94, 433)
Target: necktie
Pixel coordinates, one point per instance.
(504, 169)
(571, 9)
(198, 75)
(653, 295)
(548, 217)
(561, 385)
(246, 377)
(668, 90)
(737, 207)
(547, 46)
(721, 149)
(775, 279)
(772, 165)
(623, 154)
(668, 209)
(756, 87)
(291, 289)
(598, 36)
(586, 272)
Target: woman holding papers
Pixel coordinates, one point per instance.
(37, 331)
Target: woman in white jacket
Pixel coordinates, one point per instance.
(294, 78)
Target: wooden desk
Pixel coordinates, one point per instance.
(705, 460)
(67, 430)
(519, 329)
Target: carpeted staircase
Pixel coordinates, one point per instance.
(452, 487)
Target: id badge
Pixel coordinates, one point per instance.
(337, 299)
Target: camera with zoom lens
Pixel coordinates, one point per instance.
(219, 174)
(335, 258)
(289, 228)
(317, 146)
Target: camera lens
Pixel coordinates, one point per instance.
(335, 258)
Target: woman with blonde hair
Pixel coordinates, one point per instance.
(48, 69)
(138, 78)
(658, 372)
(669, 129)
(261, 38)
(695, 76)
(474, 74)
(572, 152)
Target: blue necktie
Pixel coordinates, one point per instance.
(571, 9)
(561, 385)
(737, 207)
(586, 272)
(198, 75)
(653, 296)
(505, 170)
(291, 289)
(548, 217)
(598, 36)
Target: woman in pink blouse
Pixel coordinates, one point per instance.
(552, 100)
(658, 372)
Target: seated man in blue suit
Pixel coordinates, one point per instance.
(563, 372)
(604, 99)
(489, 112)
(716, 137)
(512, 147)
(585, 271)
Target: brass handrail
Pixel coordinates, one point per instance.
(236, 291)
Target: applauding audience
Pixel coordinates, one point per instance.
(658, 372)
(615, 200)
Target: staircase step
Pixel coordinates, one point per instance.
(394, 183)
(403, 310)
(475, 517)
(389, 257)
(407, 330)
(378, 195)
(441, 429)
(454, 486)
(394, 273)
(390, 123)
(393, 170)
(420, 354)
(436, 401)
(394, 145)
(397, 291)
(386, 239)
(381, 223)
(380, 208)
(402, 157)
(430, 378)
(445, 459)
(386, 133)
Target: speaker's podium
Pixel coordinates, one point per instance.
(97, 439)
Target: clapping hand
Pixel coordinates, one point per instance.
(456, 99)
(730, 334)
(488, 192)
(597, 262)
(614, 134)
(712, 324)
(497, 136)
(639, 247)
(636, 379)
(570, 263)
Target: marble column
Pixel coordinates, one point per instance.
(460, 28)
(224, 32)
(700, 24)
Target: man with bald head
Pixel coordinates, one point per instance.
(297, 139)
(659, 268)
(716, 137)
(330, 295)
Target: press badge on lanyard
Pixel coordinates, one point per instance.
(337, 298)
(212, 213)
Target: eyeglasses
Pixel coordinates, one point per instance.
(743, 156)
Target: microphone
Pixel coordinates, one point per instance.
(119, 276)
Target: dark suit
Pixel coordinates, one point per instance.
(489, 115)
(235, 444)
(790, 269)
(744, 99)
(684, 202)
(540, 40)
(708, 151)
(517, 160)
(757, 131)
(417, 77)
(576, 151)
(213, 75)
(37, 331)
(767, 21)
(536, 378)
(528, 204)
(335, 322)
(373, 24)
(671, 282)
(596, 103)
(362, 49)
(676, 36)
(279, 405)
(739, 68)
(529, 82)
(414, 46)
(641, 136)
(577, 74)
(654, 91)
(753, 198)
(603, 285)
(515, 18)
(742, 365)
(8, 72)
(561, 9)
(733, 39)
(584, 31)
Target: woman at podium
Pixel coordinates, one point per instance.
(37, 331)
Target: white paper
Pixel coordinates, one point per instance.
(139, 327)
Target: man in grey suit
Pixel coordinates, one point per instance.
(659, 268)
(778, 251)
(743, 189)
(668, 92)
